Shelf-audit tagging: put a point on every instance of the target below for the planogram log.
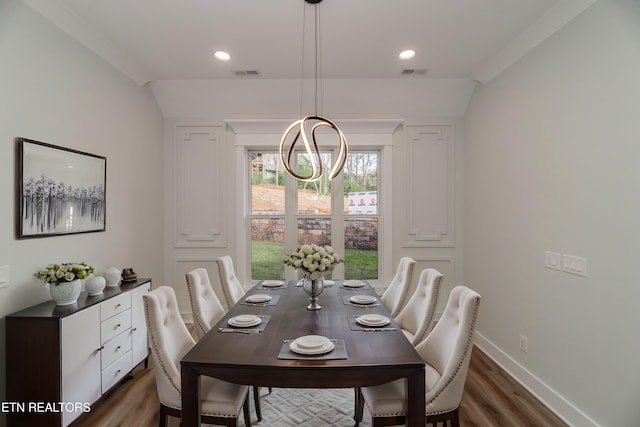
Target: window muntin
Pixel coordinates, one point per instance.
(314, 218)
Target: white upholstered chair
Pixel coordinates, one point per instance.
(205, 304)
(231, 286)
(416, 317)
(446, 352)
(395, 295)
(170, 340)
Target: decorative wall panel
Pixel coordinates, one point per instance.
(429, 196)
(199, 166)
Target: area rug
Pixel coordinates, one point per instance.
(285, 407)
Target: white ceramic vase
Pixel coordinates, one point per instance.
(112, 275)
(66, 293)
(95, 284)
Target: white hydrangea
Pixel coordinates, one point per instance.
(312, 260)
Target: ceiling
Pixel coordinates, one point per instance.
(152, 40)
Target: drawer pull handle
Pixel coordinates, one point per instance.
(134, 329)
(100, 349)
(118, 347)
(118, 371)
(117, 326)
(118, 306)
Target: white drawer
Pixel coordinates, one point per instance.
(114, 326)
(115, 305)
(116, 371)
(115, 348)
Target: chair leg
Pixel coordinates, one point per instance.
(358, 406)
(162, 421)
(256, 401)
(455, 421)
(246, 411)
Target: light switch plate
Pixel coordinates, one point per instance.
(552, 260)
(4, 276)
(574, 265)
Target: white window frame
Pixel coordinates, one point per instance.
(251, 135)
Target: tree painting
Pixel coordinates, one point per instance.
(63, 191)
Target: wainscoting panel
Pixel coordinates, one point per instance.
(430, 163)
(199, 165)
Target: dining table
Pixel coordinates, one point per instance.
(262, 355)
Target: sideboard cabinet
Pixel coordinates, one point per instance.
(62, 359)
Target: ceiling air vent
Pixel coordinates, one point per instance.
(411, 72)
(249, 73)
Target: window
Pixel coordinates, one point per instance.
(318, 216)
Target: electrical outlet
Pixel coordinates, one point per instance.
(523, 343)
(552, 260)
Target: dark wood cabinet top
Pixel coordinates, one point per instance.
(49, 309)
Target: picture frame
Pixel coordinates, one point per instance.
(59, 190)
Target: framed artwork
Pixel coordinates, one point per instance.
(59, 190)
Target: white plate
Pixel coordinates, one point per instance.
(362, 299)
(321, 350)
(353, 284)
(244, 321)
(311, 342)
(258, 298)
(329, 282)
(373, 320)
(271, 283)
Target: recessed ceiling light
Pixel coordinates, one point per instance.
(221, 55)
(407, 54)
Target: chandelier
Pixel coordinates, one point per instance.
(303, 131)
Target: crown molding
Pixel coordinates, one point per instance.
(69, 22)
(542, 29)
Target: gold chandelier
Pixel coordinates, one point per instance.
(304, 130)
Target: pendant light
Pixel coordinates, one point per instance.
(304, 130)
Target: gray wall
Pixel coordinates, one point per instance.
(552, 149)
(54, 90)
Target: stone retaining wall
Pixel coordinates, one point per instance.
(361, 234)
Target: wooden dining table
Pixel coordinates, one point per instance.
(363, 356)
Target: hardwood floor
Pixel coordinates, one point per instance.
(491, 399)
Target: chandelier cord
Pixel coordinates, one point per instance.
(304, 32)
(317, 49)
(304, 130)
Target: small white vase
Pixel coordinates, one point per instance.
(112, 274)
(66, 293)
(95, 284)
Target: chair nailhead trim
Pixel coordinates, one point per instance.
(466, 350)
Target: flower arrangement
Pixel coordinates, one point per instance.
(313, 260)
(67, 272)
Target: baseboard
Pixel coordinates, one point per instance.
(549, 397)
(186, 317)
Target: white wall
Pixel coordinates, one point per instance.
(54, 90)
(552, 149)
(203, 107)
